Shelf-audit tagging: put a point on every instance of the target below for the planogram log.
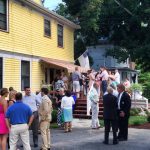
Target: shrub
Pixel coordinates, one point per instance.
(147, 112)
(137, 120)
(134, 111)
(148, 118)
(136, 87)
(54, 115)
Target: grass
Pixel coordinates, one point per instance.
(137, 120)
(54, 126)
(101, 122)
(133, 120)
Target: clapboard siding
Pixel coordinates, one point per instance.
(26, 35)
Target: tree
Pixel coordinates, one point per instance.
(127, 24)
(86, 14)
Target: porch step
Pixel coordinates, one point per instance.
(81, 109)
(82, 116)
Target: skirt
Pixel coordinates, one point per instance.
(3, 126)
(67, 113)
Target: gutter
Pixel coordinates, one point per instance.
(52, 14)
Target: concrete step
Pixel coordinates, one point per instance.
(84, 112)
(81, 116)
(78, 107)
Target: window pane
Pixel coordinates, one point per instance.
(47, 27)
(3, 6)
(60, 35)
(25, 74)
(25, 82)
(3, 15)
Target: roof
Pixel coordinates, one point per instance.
(122, 69)
(64, 64)
(52, 14)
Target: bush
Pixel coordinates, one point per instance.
(148, 118)
(54, 116)
(147, 112)
(137, 120)
(134, 111)
(136, 87)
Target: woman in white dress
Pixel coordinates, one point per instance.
(66, 105)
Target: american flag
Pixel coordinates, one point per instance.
(84, 60)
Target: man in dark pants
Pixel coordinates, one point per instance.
(32, 101)
(124, 105)
(110, 115)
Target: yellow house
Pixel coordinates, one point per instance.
(34, 44)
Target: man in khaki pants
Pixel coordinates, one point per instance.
(45, 110)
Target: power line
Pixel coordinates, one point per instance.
(127, 10)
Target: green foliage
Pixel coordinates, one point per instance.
(137, 120)
(148, 118)
(54, 115)
(123, 25)
(86, 14)
(54, 126)
(144, 79)
(126, 25)
(134, 111)
(101, 122)
(136, 87)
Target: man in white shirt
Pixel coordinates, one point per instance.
(32, 101)
(117, 77)
(104, 77)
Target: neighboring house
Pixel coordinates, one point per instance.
(34, 44)
(98, 53)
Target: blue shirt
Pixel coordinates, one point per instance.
(31, 101)
(19, 113)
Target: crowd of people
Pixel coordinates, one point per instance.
(78, 82)
(19, 113)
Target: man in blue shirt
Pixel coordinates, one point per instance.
(18, 118)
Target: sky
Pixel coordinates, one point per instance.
(51, 4)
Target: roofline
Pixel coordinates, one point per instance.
(52, 14)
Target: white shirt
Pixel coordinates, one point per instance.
(67, 102)
(117, 77)
(104, 75)
(119, 100)
(31, 101)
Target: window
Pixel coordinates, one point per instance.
(47, 28)
(3, 14)
(60, 35)
(1, 73)
(25, 74)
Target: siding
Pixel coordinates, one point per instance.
(12, 73)
(37, 75)
(26, 35)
